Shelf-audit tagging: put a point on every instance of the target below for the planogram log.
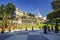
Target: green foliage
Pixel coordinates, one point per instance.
(32, 15)
(10, 8)
(6, 11)
(29, 14)
(24, 13)
(55, 4)
(53, 15)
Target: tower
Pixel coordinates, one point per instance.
(39, 15)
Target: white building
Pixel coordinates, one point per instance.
(19, 13)
(39, 15)
(44, 18)
(40, 18)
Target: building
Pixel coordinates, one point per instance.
(19, 14)
(22, 18)
(40, 18)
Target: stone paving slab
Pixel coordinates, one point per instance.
(36, 37)
(34, 33)
(18, 37)
(29, 35)
(51, 36)
(5, 36)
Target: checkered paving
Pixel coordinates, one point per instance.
(29, 35)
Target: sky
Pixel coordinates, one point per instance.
(32, 6)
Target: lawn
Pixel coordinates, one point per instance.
(35, 27)
(30, 26)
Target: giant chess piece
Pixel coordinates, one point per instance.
(3, 29)
(26, 28)
(45, 29)
(32, 28)
(48, 28)
(39, 27)
(56, 29)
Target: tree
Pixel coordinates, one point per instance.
(57, 18)
(10, 9)
(2, 12)
(50, 17)
(7, 12)
(55, 4)
(2, 15)
(32, 15)
(56, 13)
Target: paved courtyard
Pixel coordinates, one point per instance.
(29, 35)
